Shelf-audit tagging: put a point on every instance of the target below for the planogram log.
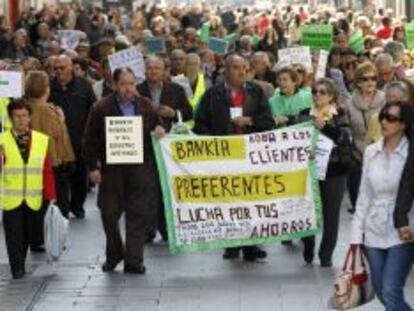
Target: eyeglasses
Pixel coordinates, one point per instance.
(369, 78)
(390, 118)
(319, 91)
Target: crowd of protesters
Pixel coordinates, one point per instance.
(364, 104)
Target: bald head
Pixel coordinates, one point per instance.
(385, 67)
(63, 68)
(155, 70)
(155, 61)
(177, 62)
(260, 63)
(235, 70)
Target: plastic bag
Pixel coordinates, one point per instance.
(56, 231)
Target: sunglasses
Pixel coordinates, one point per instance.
(319, 91)
(390, 118)
(369, 78)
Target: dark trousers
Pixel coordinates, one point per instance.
(62, 186)
(38, 236)
(125, 188)
(353, 181)
(78, 185)
(332, 192)
(20, 230)
(157, 219)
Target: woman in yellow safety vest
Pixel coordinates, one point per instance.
(26, 180)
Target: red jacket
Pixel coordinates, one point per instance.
(384, 33)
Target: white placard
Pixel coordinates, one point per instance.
(131, 58)
(124, 140)
(69, 39)
(296, 55)
(323, 151)
(11, 84)
(322, 62)
(236, 112)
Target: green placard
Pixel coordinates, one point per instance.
(155, 45)
(319, 37)
(356, 41)
(232, 38)
(255, 41)
(217, 45)
(205, 33)
(409, 34)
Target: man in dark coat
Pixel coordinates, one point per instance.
(167, 99)
(123, 187)
(213, 117)
(75, 96)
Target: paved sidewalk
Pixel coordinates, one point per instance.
(196, 281)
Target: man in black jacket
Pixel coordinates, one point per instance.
(213, 117)
(167, 99)
(75, 96)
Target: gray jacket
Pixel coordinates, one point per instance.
(359, 114)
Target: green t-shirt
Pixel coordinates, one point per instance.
(280, 106)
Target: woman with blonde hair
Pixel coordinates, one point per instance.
(366, 100)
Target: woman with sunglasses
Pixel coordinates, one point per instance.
(366, 100)
(333, 123)
(390, 259)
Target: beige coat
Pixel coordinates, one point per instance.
(360, 114)
(47, 120)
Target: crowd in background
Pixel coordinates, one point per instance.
(364, 100)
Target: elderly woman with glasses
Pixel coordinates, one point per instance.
(366, 100)
(333, 124)
(390, 257)
(395, 91)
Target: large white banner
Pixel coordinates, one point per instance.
(239, 190)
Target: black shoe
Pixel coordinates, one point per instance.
(79, 214)
(308, 252)
(19, 274)
(150, 238)
(37, 249)
(252, 254)
(287, 243)
(231, 253)
(326, 263)
(135, 269)
(110, 266)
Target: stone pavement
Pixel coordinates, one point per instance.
(191, 282)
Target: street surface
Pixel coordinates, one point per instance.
(196, 281)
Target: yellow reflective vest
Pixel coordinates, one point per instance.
(23, 181)
(4, 117)
(199, 91)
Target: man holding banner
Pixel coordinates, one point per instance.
(234, 107)
(117, 150)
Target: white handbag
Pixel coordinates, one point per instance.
(353, 288)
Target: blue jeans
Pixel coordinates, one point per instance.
(389, 270)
